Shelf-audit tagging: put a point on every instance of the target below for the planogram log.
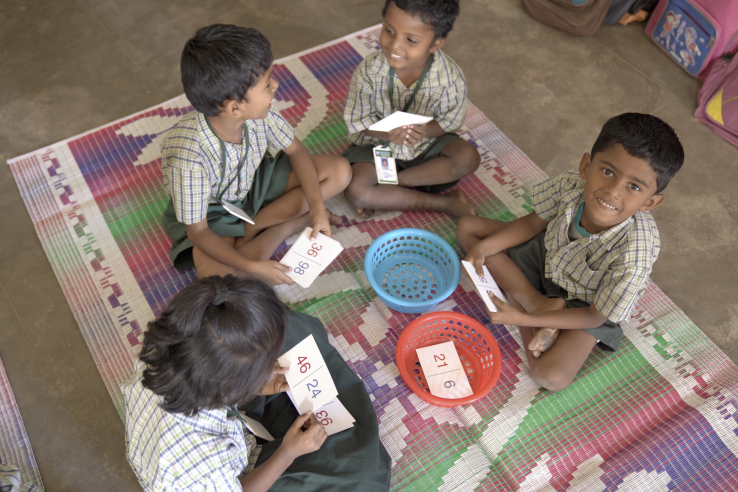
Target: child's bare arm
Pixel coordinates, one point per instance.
(213, 245)
(516, 232)
(304, 168)
(563, 319)
(295, 443)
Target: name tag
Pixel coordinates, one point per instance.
(384, 162)
(234, 210)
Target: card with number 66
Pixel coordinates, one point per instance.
(309, 258)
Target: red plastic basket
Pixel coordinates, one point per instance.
(477, 348)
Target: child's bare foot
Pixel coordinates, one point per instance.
(367, 213)
(459, 206)
(543, 339)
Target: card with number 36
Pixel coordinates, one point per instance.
(309, 258)
(310, 381)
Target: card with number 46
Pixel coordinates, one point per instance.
(310, 381)
(309, 258)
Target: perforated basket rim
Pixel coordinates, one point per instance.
(437, 400)
(426, 303)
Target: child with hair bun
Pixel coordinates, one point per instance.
(210, 358)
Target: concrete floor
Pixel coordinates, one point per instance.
(72, 65)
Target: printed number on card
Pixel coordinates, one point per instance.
(443, 371)
(309, 378)
(484, 285)
(309, 258)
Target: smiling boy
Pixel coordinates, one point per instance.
(575, 267)
(410, 73)
(216, 157)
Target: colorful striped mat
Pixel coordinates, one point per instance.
(15, 447)
(658, 415)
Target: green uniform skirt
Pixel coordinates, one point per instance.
(270, 181)
(365, 153)
(354, 460)
(531, 259)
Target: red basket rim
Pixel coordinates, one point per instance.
(437, 400)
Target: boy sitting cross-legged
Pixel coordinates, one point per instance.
(575, 267)
(410, 74)
(215, 158)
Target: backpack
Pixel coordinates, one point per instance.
(582, 18)
(718, 99)
(694, 33)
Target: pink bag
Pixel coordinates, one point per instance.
(718, 99)
(694, 33)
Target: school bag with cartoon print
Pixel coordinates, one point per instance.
(718, 99)
(694, 33)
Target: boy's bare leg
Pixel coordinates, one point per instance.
(556, 368)
(472, 229)
(258, 249)
(334, 174)
(458, 159)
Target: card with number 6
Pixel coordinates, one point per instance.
(444, 371)
(310, 380)
(309, 258)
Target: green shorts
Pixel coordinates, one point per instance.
(365, 153)
(530, 257)
(270, 181)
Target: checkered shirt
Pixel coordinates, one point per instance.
(442, 95)
(175, 452)
(610, 269)
(191, 161)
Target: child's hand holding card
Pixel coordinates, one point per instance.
(309, 258)
(484, 285)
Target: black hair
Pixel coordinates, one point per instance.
(646, 137)
(438, 14)
(214, 345)
(222, 62)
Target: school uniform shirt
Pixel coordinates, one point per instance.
(174, 452)
(192, 167)
(442, 96)
(610, 269)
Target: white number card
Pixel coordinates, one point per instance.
(333, 416)
(309, 258)
(310, 381)
(397, 119)
(484, 285)
(443, 371)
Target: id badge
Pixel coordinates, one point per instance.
(385, 164)
(234, 210)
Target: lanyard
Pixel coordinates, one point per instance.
(223, 159)
(417, 86)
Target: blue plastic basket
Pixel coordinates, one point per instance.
(412, 270)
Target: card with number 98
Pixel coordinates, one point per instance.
(309, 258)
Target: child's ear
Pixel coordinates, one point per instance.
(652, 203)
(437, 45)
(584, 165)
(231, 107)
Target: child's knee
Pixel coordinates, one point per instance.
(466, 159)
(464, 230)
(342, 172)
(552, 379)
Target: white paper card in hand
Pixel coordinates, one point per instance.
(334, 417)
(483, 285)
(310, 381)
(443, 371)
(397, 119)
(309, 258)
(234, 210)
(256, 428)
